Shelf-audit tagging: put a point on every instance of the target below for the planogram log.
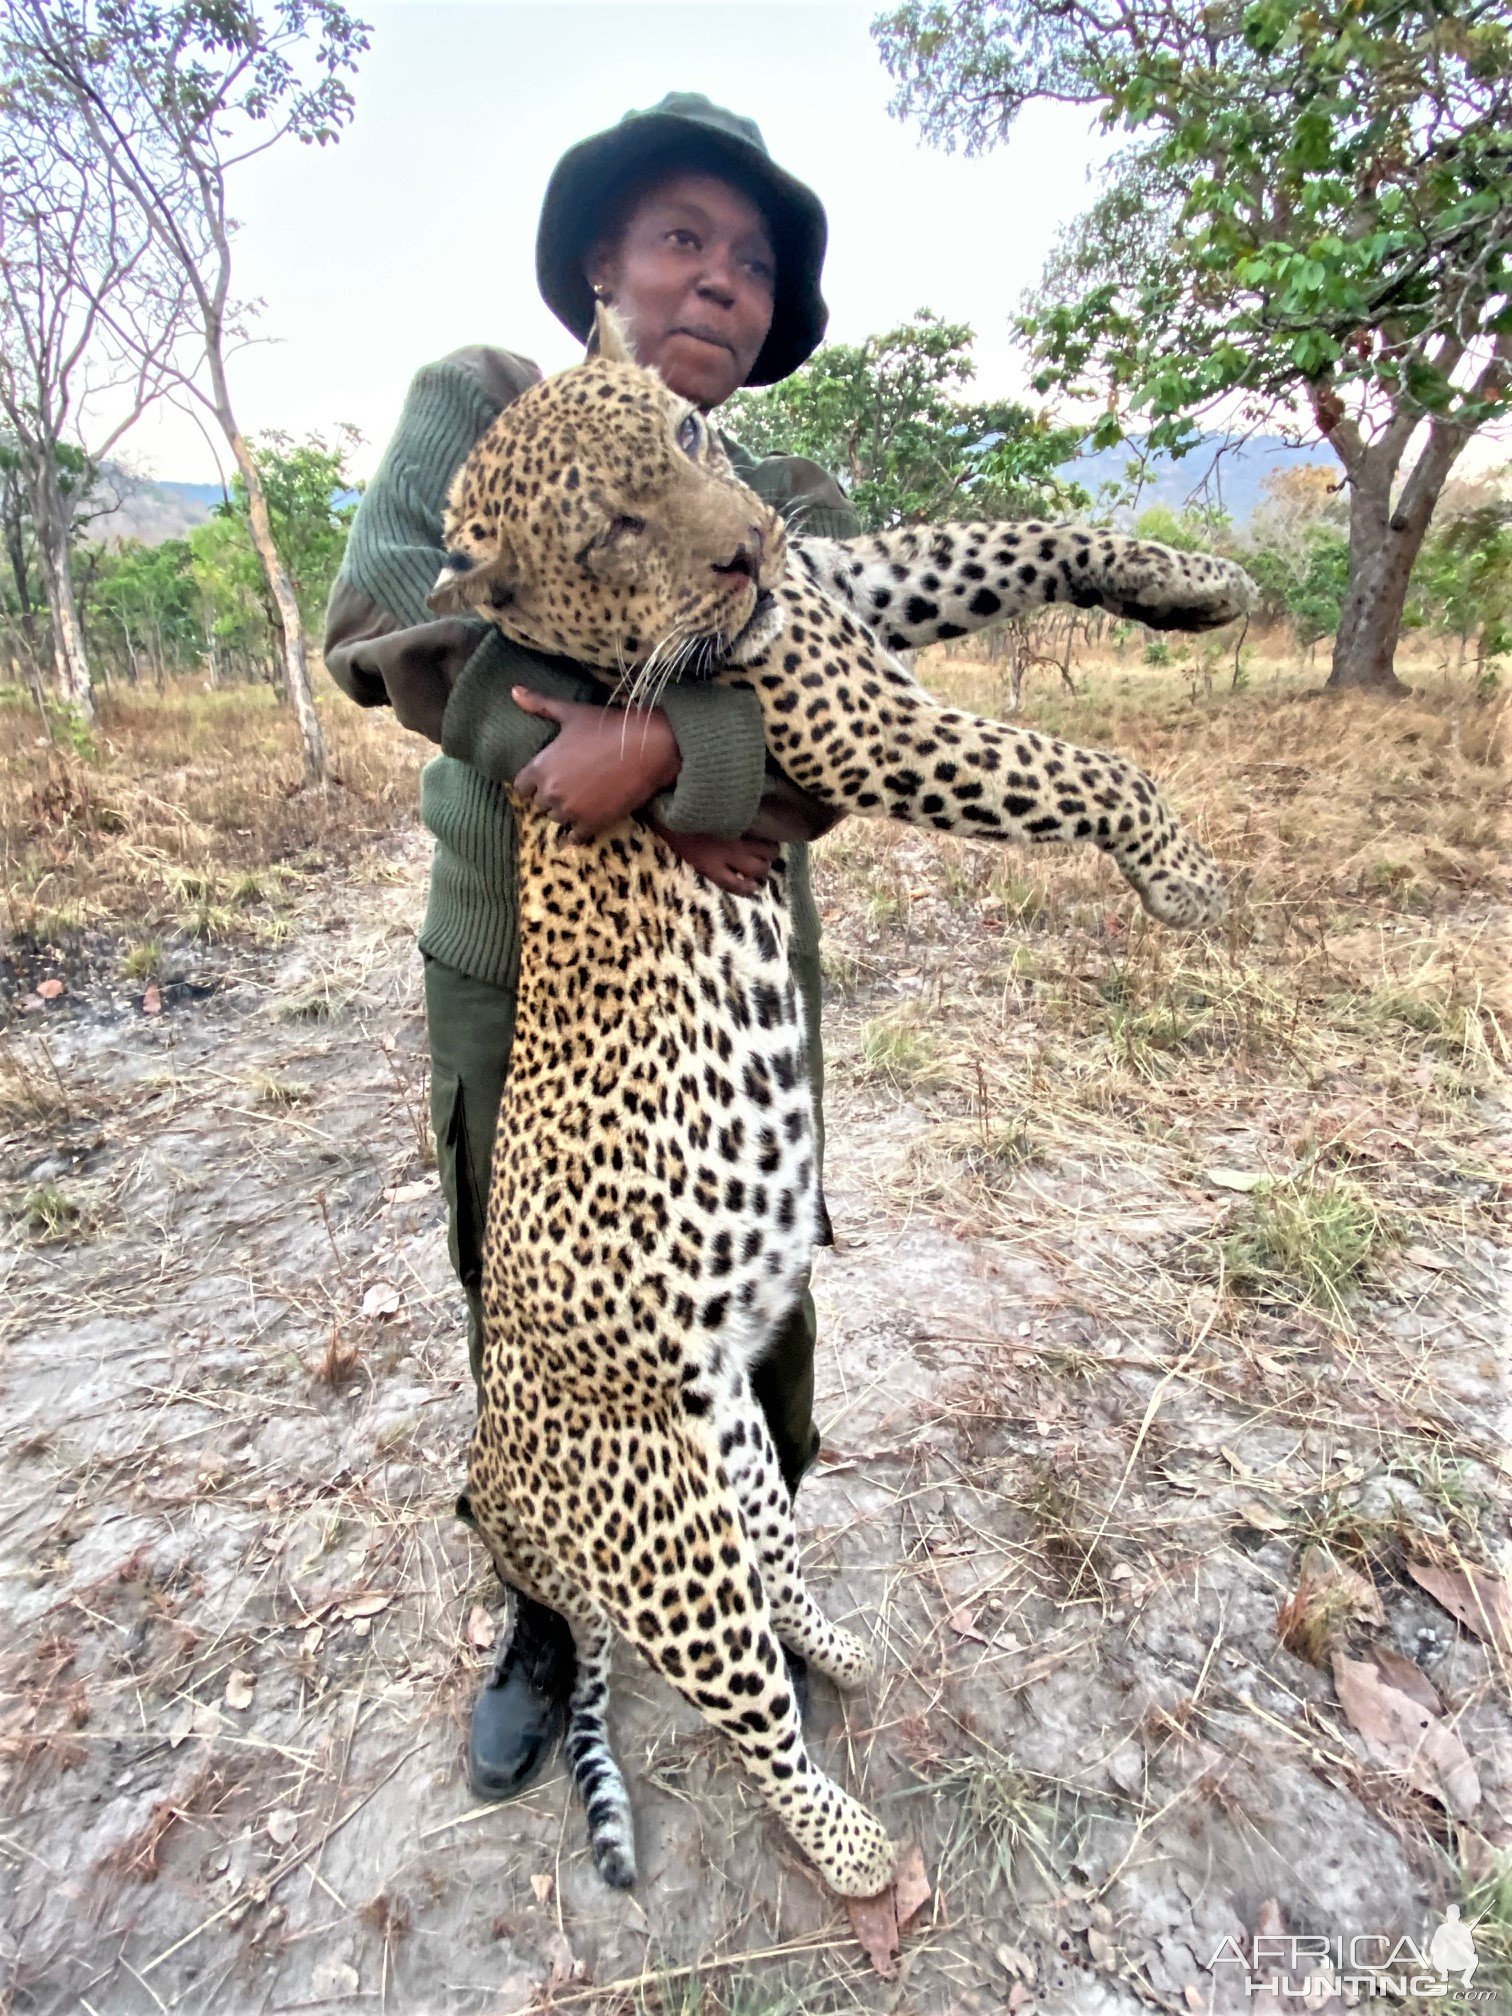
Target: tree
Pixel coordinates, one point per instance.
(139, 604)
(1296, 548)
(311, 503)
(312, 500)
(86, 310)
(1194, 530)
(1464, 579)
(1314, 219)
(231, 593)
(176, 97)
(889, 416)
(23, 590)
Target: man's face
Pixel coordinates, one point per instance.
(693, 277)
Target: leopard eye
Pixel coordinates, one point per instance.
(690, 434)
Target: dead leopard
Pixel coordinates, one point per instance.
(654, 1197)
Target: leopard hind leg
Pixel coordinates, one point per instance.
(712, 1636)
(591, 1764)
(751, 1464)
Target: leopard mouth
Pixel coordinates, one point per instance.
(712, 652)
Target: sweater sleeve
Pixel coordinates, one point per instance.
(811, 500)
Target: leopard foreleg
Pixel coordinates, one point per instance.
(850, 725)
(920, 584)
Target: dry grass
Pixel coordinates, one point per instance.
(183, 816)
(1361, 840)
(1245, 1186)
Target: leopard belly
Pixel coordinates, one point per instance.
(655, 1154)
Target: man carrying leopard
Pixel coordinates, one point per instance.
(714, 256)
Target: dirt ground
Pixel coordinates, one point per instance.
(1075, 1468)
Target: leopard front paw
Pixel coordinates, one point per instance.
(1182, 890)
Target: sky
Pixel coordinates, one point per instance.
(415, 235)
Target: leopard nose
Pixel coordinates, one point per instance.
(747, 557)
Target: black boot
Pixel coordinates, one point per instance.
(518, 1719)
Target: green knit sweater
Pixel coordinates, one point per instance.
(452, 679)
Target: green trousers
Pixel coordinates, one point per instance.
(471, 1026)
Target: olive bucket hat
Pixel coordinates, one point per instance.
(686, 131)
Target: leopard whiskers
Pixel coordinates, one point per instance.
(641, 687)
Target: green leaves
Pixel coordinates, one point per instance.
(889, 417)
(1319, 191)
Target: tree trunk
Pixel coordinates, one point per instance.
(1380, 566)
(296, 676)
(50, 517)
(1384, 542)
(17, 553)
(1364, 650)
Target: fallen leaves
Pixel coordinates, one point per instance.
(359, 1611)
(282, 1826)
(1392, 1706)
(49, 990)
(1477, 1599)
(1269, 1995)
(543, 1885)
(1269, 1925)
(239, 1686)
(963, 1623)
(1264, 1518)
(878, 1922)
(565, 1965)
(334, 1980)
(368, 1604)
(480, 1629)
(195, 1718)
(1013, 1960)
(381, 1301)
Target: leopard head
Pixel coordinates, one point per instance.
(599, 518)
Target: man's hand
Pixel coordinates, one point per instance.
(741, 866)
(604, 763)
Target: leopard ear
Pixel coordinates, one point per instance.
(466, 587)
(611, 339)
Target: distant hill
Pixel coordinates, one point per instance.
(1235, 477)
(1221, 471)
(153, 512)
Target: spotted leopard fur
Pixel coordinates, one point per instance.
(654, 1197)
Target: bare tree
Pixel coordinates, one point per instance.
(88, 312)
(177, 97)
